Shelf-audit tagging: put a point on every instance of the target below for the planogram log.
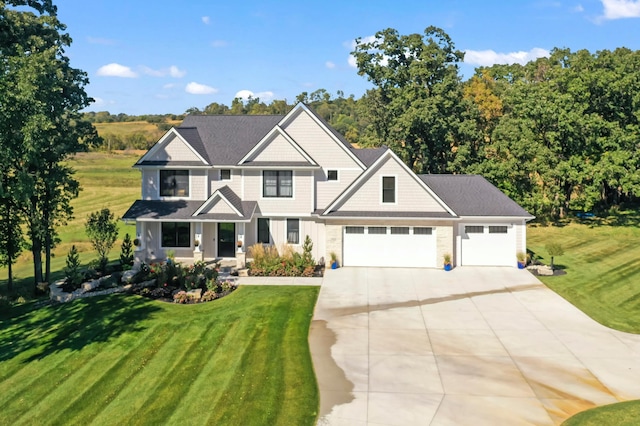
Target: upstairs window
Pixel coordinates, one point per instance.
(388, 189)
(332, 175)
(174, 183)
(225, 174)
(277, 183)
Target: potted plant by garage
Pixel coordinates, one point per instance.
(239, 245)
(447, 262)
(522, 259)
(334, 260)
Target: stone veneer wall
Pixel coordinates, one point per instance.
(444, 244)
(333, 240)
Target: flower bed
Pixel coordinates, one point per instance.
(269, 262)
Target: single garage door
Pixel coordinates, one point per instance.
(488, 245)
(390, 246)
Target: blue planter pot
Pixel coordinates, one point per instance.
(448, 267)
(521, 265)
(334, 265)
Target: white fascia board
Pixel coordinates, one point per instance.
(193, 220)
(210, 200)
(277, 130)
(304, 108)
(163, 140)
(495, 218)
(389, 218)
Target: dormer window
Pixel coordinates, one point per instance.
(389, 189)
(174, 183)
(225, 174)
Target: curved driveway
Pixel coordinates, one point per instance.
(471, 346)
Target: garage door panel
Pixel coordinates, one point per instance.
(487, 245)
(394, 247)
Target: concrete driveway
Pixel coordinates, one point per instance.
(471, 346)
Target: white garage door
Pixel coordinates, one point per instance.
(488, 245)
(397, 246)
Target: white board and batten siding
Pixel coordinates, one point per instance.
(278, 237)
(389, 246)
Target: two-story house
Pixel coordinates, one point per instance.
(217, 180)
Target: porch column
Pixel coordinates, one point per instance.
(141, 233)
(197, 238)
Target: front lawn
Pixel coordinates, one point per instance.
(120, 359)
(620, 414)
(602, 261)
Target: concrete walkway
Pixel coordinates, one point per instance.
(477, 346)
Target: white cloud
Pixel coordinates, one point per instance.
(330, 65)
(619, 9)
(172, 71)
(578, 8)
(116, 70)
(102, 41)
(169, 86)
(246, 94)
(219, 43)
(206, 20)
(199, 89)
(487, 58)
(175, 72)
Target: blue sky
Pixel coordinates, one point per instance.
(164, 57)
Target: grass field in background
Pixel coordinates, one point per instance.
(107, 180)
(121, 359)
(602, 261)
(130, 127)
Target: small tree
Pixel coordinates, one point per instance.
(72, 270)
(126, 253)
(102, 230)
(554, 249)
(307, 248)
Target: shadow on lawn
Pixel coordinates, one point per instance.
(72, 326)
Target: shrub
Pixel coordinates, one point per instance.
(72, 271)
(126, 252)
(102, 230)
(287, 262)
(181, 297)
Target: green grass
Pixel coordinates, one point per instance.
(107, 180)
(602, 262)
(621, 414)
(130, 127)
(241, 360)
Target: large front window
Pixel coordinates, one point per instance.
(174, 183)
(176, 234)
(277, 183)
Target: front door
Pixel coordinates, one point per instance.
(226, 239)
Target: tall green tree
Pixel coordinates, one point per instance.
(40, 99)
(417, 107)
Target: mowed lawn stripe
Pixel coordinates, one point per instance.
(120, 368)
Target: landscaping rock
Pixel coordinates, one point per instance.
(195, 294)
(127, 276)
(243, 272)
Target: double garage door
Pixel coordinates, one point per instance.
(388, 246)
(487, 245)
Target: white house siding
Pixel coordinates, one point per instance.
(300, 204)
(219, 206)
(277, 228)
(173, 149)
(198, 190)
(277, 149)
(318, 143)
(327, 191)
(150, 189)
(235, 184)
(410, 195)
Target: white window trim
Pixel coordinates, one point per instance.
(257, 231)
(169, 198)
(293, 185)
(225, 180)
(395, 189)
(286, 231)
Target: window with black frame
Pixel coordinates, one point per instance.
(277, 184)
(263, 231)
(176, 234)
(174, 183)
(293, 231)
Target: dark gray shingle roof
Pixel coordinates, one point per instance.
(368, 156)
(184, 210)
(473, 195)
(225, 139)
